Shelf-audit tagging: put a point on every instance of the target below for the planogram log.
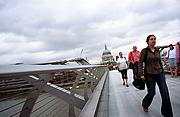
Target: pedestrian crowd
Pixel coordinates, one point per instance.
(148, 66)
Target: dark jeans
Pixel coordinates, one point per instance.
(151, 81)
(135, 69)
(124, 73)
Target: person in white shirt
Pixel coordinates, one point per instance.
(122, 68)
(172, 60)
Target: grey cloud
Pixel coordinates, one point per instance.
(45, 30)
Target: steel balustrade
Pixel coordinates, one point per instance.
(90, 79)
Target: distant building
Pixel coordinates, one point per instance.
(107, 58)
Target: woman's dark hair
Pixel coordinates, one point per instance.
(147, 39)
(178, 43)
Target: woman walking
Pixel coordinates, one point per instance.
(122, 68)
(154, 74)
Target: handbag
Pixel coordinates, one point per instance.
(139, 83)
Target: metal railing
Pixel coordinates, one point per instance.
(77, 97)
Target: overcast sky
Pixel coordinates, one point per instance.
(33, 31)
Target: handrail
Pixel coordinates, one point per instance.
(16, 70)
(91, 106)
(39, 75)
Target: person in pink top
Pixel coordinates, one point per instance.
(133, 58)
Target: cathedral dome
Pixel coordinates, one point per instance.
(106, 52)
(107, 58)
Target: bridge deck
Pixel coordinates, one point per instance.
(126, 101)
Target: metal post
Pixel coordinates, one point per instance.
(32, 97)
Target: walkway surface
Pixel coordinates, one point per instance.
(126, 101)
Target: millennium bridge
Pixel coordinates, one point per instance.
(94, 92)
